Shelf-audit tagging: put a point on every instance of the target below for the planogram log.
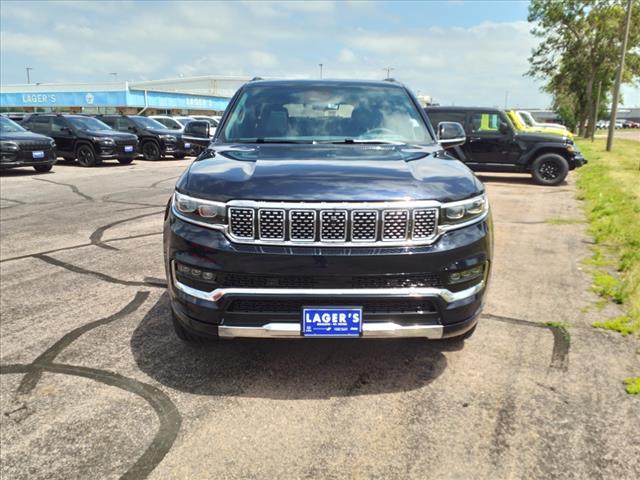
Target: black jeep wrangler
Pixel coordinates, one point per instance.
(83, 138)
(324, 209)
(156, 140)
(494, 145)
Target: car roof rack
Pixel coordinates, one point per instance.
(255, 79)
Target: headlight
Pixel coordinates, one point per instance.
(104, 140)
(168, 138)
(201, 211)
(455, 213)
(52, 143)
(462, 276)
(12, 146)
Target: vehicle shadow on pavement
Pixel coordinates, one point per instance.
(284, 369)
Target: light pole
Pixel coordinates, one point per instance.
(616, 89)
(388, 70)
(28, 69)
(320, 65)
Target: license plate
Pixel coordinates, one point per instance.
(38, 154)
(128, 148)
(332, 321)
(187, 145)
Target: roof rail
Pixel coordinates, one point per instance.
(254, 79)
(390, 80)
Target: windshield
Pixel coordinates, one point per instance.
(146, 122)
(211, 121)
(526, 118)
(169, 123)
(9, 126)
(88, 123)
(325, 113)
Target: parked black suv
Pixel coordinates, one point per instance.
(20, 148)
(84, 138)
(494, 145)
(155, 139)
(327, 208)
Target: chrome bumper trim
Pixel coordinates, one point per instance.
(369, 330)
(217, 294)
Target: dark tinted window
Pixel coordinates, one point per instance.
(325, 112)
(58, 124)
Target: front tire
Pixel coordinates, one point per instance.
(43, 168)
(86, 156)
(151, 151)
(550, 169)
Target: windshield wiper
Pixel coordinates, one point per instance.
(367, 141)
(269, 140)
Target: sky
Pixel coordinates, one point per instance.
(458, 52)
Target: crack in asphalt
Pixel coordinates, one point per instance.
(167, 412)
(74, 247)
(73, 188)
(561, 344)
(93, 273)
(155, 184)
(96, 237)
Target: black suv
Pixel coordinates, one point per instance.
(327, 208)
(494, 145)
(84, 138)
(20, 148)
(156, 140)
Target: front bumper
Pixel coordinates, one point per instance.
(442, 311)
(20, 158)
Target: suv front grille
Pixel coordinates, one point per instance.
(331, 226)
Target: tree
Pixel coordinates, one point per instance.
(579, 50)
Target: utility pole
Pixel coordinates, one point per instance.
(616, 88)
(28, 69)
(388, 69)
(320, 65)
(596, 108)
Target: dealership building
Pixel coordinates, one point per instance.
(204, 95)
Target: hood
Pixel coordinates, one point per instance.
(111, 134)
(24, 136)
(329, 173)
(542, 137)
(164, 131)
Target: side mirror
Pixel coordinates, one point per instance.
(132, 129)
(451, 134)
(504, 128)
(197, 129)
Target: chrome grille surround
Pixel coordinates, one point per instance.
(242, 222)
(333, 224)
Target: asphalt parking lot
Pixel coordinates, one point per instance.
(95, 385)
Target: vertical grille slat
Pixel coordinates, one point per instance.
(364, 225)
(425, 223)
(271, 224)
(333, 225)
(241, 222)
(302, 225)
(395, 224)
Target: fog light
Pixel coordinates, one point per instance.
(466, 275)
(194, 273)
